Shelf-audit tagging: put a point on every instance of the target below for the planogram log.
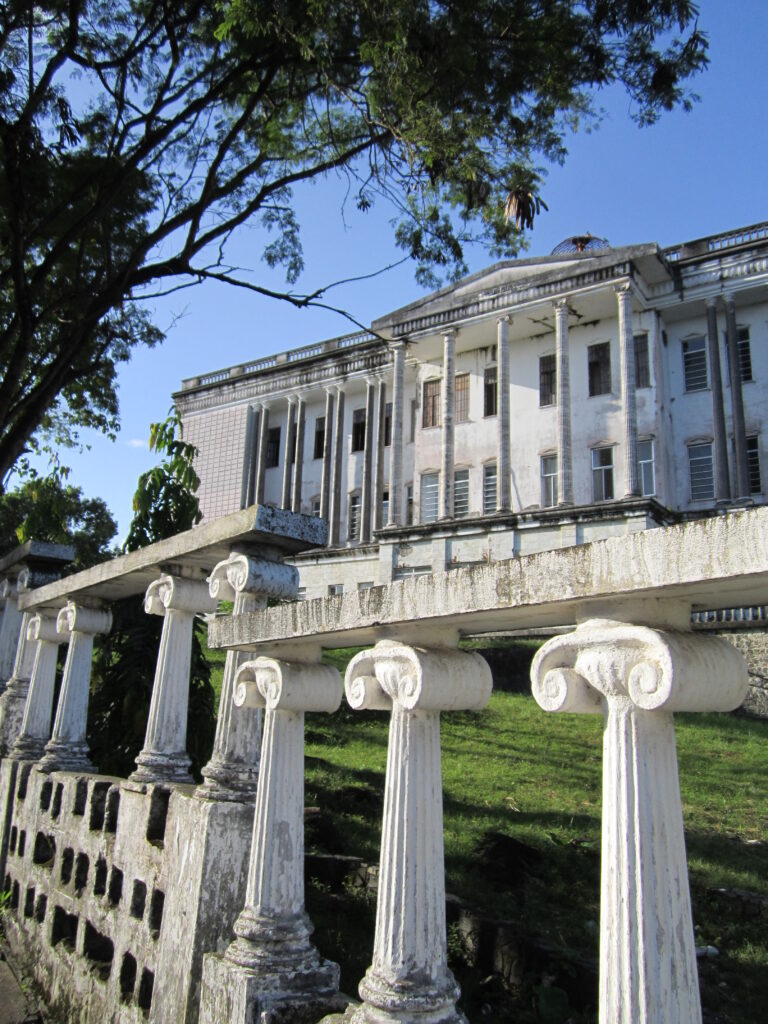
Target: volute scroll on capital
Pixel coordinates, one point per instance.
(416, 678)
(655, 669)
(239, 573)
(173, 592)
(44, 627)
(279, 685)
(75, 618)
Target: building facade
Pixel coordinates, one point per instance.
(538, 404)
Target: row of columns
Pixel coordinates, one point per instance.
(635, 676)
(720, 437)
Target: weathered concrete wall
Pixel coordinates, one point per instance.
(117, 891)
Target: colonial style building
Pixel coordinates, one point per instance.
(537, 404)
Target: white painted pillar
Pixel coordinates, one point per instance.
(563, 383)
(325, 484)
(366, 493)
(737, 400)
(272, 966)
(262, 455)
(395, 514)
(447, 412)
(338, 452)
(628, 389)
(67, 750)
(14, 697)
(503, 378)
(298, 467)
(10, 629)
(36, 723)
(233, 770)
(378, 468)
(290, 449)
(638, 677)
(164, 755)
(720, 437)
(409, 980)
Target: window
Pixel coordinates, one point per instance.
(599, 369)
(429, 497)
(645, 468)
(272, 458)
(367, 585)
(430, 412)
(695, 364)
(489, 391)
(460, 493)
(702, 472)
(745, 355)
(315, 506)
(642, 362)
(319, 438)
(301, 594)
(409, 504)
(548, 481)
(547, 380)
(602, 474)
(384, 507)
(387, 424)
(335, 588)
(353, 517)
(414, 409)
(461, 410)
(358, 430)
(753, 466)
(489, 488)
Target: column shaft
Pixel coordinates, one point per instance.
(338, 451)
(298, 468)
(251, 457)
(722, 477)
(737, 401)
(262, 457)
(448, 399)
(36, 722)
(378, 470)
(504, 467)
(563, 383)
(395, 514)
(14, 698)
(325, 485)
(367, 488)
(290, 452)
(10, 630)
(628, 389)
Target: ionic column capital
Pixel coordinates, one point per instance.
(279, 685)
(505, 318)
(44, 626)
(417, 679)
(449, 332)
(75, 618)
(239, 573)
(624, 289)
(173, 593)
(654, 669)
(560, 305)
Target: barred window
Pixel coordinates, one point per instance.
(695, 364)
(753, 466)
(460, 493)
(429, 497)
(547, 380)
(642, 362)
(430, 413)
(702, 472)
(353, 517)
(462, 398)
(489, 488)
(599, 369)
(489, 391)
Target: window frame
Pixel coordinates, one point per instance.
(490, 472)
(430, 403)
(642, 463)
(461, 398)
(602, 472)
(695, 363)
(599, 380)
(549, 495)
(357, 435)
(753, 465)
(318, 450)
(547, 380)
(272, 453)
(642, 360)
(462, 472)
(433, 487)
(354, 515)
(710, 478)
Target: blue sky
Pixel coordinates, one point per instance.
(690, 175)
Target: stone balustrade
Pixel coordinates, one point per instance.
(234, 941)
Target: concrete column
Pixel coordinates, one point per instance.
(409, 980)
(638, 677)
(272, 967)
(338, 451)
(233, 770)
(504, 463)
(722, 476)
(164, 756)
(10, 630)
(262, 456)
(251, 457)
(36, 722)
(14, 697)
(67, 750)
(298, 468)
(447, 412)
(628, 389)
(378, 470)
(325, 485)
(367, 488)
(395, 515)
(290, 447)
(563, 384)
(737, 401)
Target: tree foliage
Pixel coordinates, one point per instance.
(124, 660)
(137, 135)
(46, 509)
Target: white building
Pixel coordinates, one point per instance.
(537, 404)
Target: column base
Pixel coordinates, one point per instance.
(66, 757)
(152, 767)
(222, 781)
(241, 995)
(28, 748)
(407, 1002)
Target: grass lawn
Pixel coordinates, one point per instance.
(522, 842)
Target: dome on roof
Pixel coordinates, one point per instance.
(580, 243)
